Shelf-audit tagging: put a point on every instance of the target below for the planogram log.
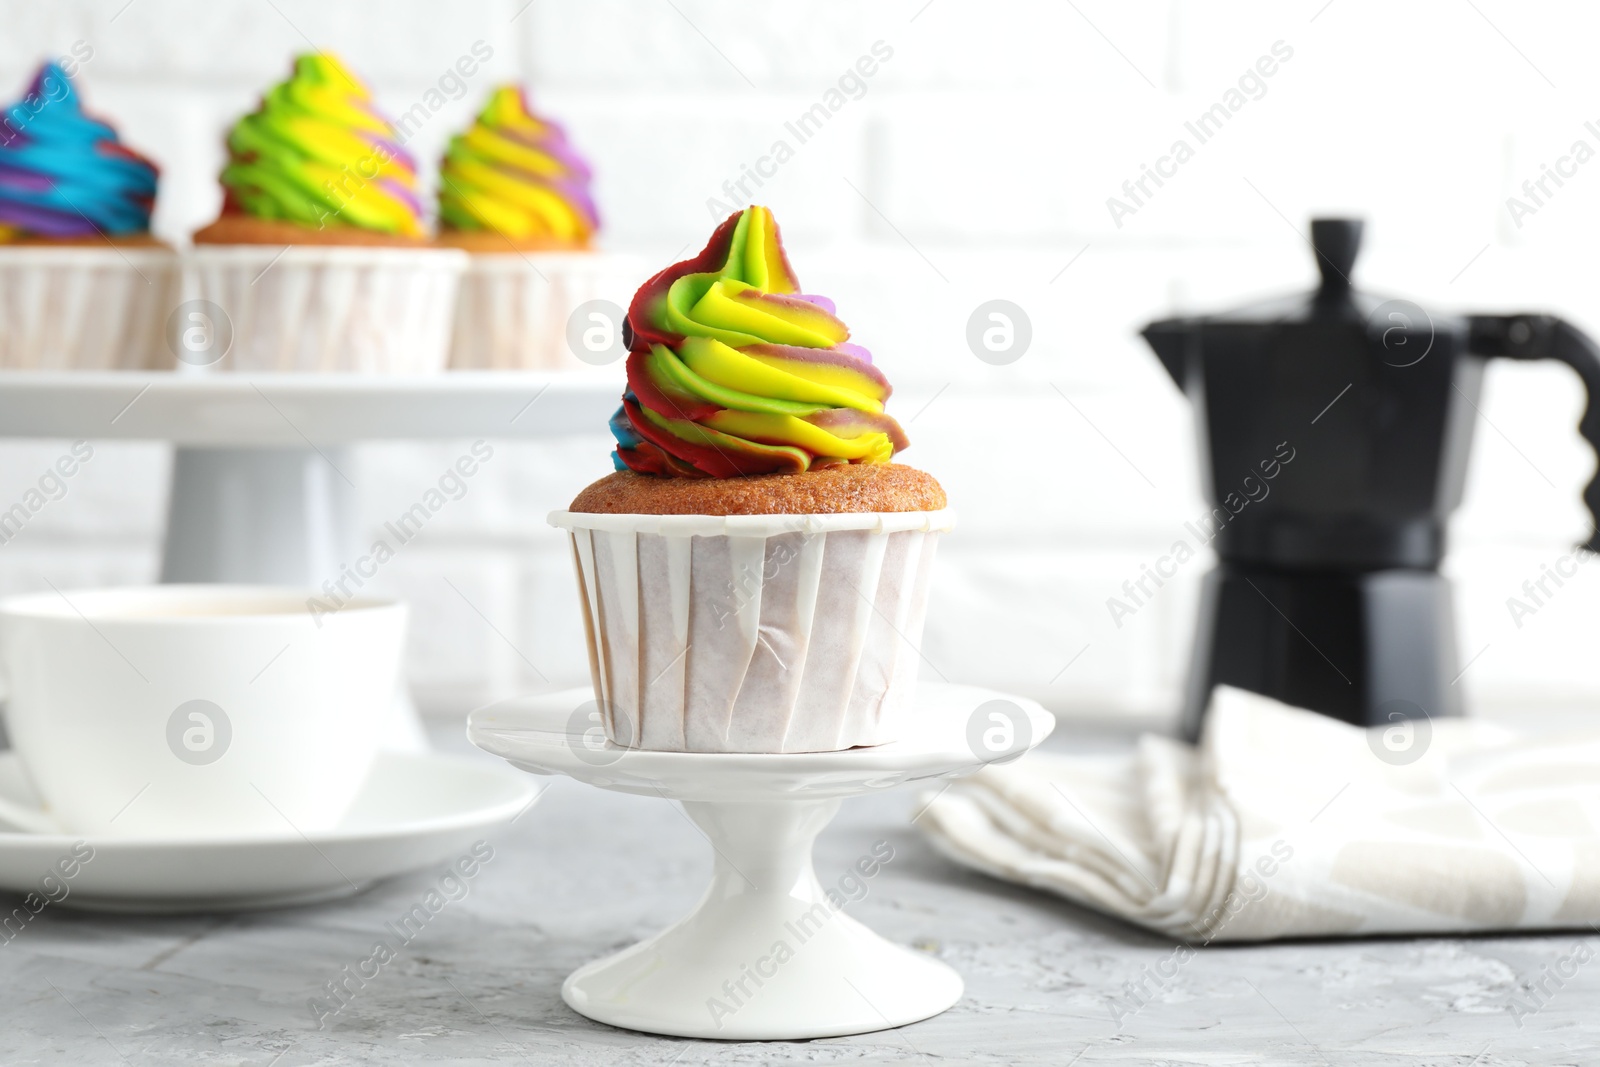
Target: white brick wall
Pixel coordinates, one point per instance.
(989, 143)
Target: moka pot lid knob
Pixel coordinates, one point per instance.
(1336, 243)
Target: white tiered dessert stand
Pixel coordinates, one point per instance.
(764, 955)
(261, 472)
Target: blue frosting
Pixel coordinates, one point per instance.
(622, 430)
(63, 174)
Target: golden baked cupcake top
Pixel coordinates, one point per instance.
(856, 487)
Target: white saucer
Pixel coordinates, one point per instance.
(416, 809)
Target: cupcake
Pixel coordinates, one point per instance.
(754, 575)
(515, 194)
(320, 258)
(83, 285)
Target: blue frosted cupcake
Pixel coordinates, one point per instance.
(83, 284)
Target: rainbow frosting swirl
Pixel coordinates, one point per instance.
(515, 173)
(732, 370)
(64, 174)
(317, 152)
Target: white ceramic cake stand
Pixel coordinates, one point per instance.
(764, 955)
(262, 490)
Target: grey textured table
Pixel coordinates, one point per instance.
(586, 872)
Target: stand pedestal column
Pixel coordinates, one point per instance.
(258, 516)
(765, 954)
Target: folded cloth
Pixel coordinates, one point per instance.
(1284, 823)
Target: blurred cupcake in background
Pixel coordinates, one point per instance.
(513, 182)
(83, 284)
(320, 258)
(516, 194)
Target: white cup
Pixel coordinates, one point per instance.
(195, 710)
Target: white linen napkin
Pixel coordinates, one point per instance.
(1284, 823)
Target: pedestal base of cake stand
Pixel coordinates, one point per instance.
(765, 954)
(768, 953)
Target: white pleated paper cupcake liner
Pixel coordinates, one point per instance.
(754, 633)
(513, 310)
(85, 308)
(330, 308)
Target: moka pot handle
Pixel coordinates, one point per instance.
(1548, 337)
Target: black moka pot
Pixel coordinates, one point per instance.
(1327, 594)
